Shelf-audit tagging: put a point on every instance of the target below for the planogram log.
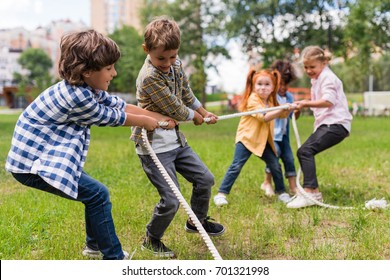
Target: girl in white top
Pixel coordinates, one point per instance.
(332, 119)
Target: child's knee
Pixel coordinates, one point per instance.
(207, 179)
(302, 152)
(171, 205)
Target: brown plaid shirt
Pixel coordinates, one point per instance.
(168, 94)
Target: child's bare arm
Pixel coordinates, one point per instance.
(135, 110)
(281, 113)
(321, 103)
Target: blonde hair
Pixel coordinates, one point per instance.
(311, 53)
(85, 51)
(162, 32)
(251, 80)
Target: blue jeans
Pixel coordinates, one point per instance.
(283, 148)
(187, 163)
(99, 224)
(241, 155)
(323, 138)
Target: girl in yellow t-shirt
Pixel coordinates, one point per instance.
(255, 132)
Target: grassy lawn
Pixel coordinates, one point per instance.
(37, 225)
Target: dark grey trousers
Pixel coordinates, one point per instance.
(187, 163)
(323, 138)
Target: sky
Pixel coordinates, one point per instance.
(31, 14)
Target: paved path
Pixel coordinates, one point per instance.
(10, 111)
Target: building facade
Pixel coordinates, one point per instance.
(14, 41)
(109, 15)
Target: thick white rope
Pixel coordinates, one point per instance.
(235, 115)
(259, 111)
(371, 204)
(210, 245)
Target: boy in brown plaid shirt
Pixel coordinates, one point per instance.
(162, 86)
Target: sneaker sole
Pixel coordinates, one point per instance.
(309, 204)
(220, 204)
(209, 233)
(92, 255)
(159, 254)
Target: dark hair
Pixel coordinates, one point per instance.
(85, 51)
(286, 70)
(162, 32)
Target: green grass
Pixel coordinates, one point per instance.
(37, 225)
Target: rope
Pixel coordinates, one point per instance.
(371, 204)
(259, 111)
(235, 115)
(206, 238)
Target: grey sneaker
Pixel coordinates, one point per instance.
(91, 253)
(284, 197)
(157, 247)
(96, 254)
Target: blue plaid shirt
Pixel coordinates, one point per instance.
(52, 135)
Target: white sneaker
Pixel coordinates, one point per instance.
(220, 200)
(268, 189)
(284, 197)
(300, 201)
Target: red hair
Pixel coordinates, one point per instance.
(251, 80)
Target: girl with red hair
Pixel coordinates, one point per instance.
(255, 132)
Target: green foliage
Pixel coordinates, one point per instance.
(131, 61)
(366, 33)
(192, 18)
(38, 64)
(275, 28)
(33, 224)
(36, 61)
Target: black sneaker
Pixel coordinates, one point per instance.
(213, 229)
(157, 247)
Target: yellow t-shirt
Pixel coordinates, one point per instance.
(253, 132)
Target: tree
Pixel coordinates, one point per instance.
(366, 33)
(274, 28)
(38, 64)
(131, 61)
(196, 47)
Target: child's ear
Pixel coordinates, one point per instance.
(145, 49)
(86, 74)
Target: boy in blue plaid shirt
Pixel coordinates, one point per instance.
(162, 86)
(52, 135)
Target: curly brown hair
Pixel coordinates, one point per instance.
(85, 51)
(162, 32)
